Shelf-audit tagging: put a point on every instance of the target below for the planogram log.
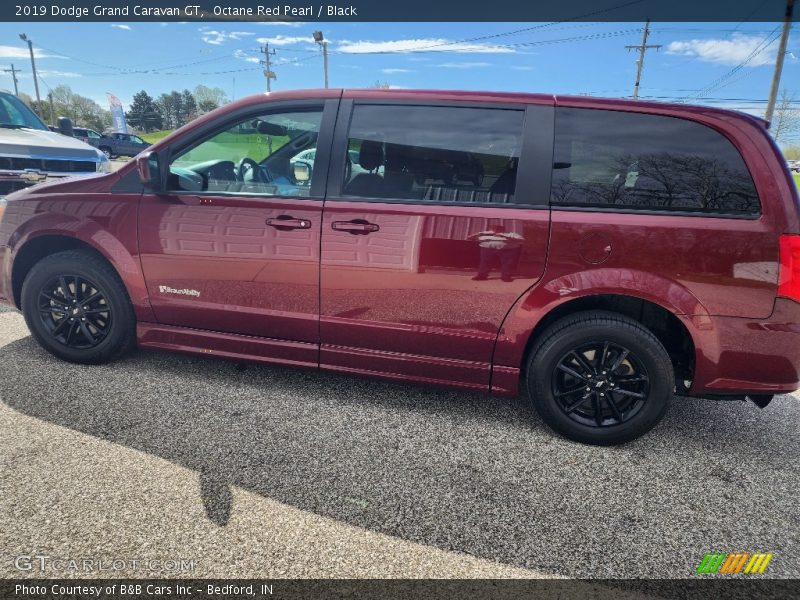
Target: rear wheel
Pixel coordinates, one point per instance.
(77, 308)
(107, 151)
(600, 378)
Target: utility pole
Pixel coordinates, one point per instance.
(640, 63)
(776, 77)
(320, 39)
(25, 38)
(268, 72)
(13, 72)
(52, 109)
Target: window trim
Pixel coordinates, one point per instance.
(328, 107)
(652, 210)
(535, 161)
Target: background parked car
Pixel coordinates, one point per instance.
(113, 144)
(794, 165)
(30, 153)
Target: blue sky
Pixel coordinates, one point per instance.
(727, 64)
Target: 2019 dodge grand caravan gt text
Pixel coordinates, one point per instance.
(598, 255)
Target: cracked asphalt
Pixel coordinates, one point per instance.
(254, 471)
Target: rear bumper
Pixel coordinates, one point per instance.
(745, 356)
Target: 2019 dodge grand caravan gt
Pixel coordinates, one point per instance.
(610, 254)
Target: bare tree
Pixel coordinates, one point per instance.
(786, 120)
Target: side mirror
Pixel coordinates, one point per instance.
(149, 168)
(65, 126)
(302, 172)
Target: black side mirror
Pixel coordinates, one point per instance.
(65, 126)
(149, 168)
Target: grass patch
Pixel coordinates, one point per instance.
(797, 179)
(154, 136)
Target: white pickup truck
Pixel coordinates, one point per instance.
(30, 153)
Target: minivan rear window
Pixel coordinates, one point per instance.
(634, 161)
(434, 154)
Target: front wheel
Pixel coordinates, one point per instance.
(600, 378)
(107, 151)
(77, 308)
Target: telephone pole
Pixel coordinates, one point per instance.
(25, 38)
(13, 72)
(268, 72)
(320, 39)
(640, 63)
(776, 77)
(52, 108)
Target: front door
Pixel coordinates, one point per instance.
(233, 245)
(439, 223)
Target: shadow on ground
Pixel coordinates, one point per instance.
(456, 470)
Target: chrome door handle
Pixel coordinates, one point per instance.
(356, 226)
(287, 223)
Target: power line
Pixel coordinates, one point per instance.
(720, 81)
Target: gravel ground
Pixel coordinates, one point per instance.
(259, 471)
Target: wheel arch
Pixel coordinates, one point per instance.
(32, 248)
(664, 323)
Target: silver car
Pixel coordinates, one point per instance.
(30, 153)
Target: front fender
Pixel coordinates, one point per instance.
(107, 226)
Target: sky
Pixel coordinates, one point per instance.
(725, 64)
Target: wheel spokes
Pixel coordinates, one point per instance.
(587, 389)
(74, 311)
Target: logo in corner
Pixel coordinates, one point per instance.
(734, 563)
(165, 289)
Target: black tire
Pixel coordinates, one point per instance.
(572, 367)
(107, 151)
(102, 329)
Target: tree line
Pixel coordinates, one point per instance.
(168, 111)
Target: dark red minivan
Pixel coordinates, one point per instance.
(600, 255)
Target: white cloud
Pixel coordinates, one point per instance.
(217, 37)
(464, 65)
(392, 71)
(522, 68)
(416, 45)
(285, 40)
(725, 51)
(118, 26)
(242, 55)
(48, 73)
(14, 52)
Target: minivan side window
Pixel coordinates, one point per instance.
(633, 161)
(264, 155)
(436, 154)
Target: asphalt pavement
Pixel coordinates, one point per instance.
(255, 471)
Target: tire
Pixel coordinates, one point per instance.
(632, 398)
(107, 151)
(102, 329)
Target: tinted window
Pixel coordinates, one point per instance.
(254, 156)
(647, 162)
(433, 154)
(14, 113)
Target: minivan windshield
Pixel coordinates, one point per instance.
(14, 114)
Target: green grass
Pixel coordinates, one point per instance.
(153, 137)
(797, 179)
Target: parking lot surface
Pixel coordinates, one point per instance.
(267, 472)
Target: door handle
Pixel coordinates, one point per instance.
(287, 223)
(356, 226)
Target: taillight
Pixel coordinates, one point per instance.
(789, 277)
